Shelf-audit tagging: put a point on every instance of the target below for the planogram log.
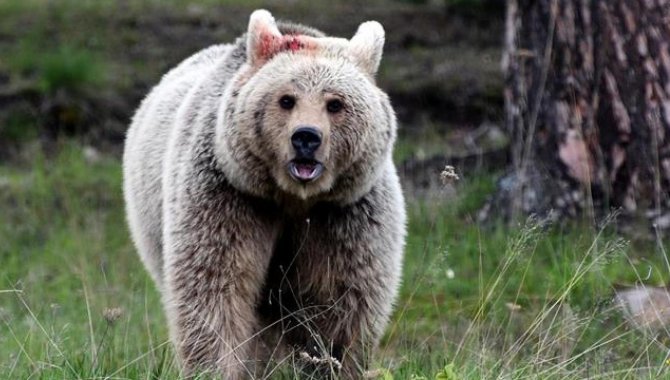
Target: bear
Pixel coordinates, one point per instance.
(263, 200)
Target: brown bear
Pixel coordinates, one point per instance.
(263, 200)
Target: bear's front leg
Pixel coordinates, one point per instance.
(218, 245)
(348, 273)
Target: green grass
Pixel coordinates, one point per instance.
(66, 258)
(486, 302)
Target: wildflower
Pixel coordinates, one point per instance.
(111, 315)
(448, 175)
(511, 306)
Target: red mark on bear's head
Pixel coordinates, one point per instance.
(270, 45)
(293, 43)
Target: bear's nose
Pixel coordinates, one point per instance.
(306, 140)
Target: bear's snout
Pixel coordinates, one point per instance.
(306, 140)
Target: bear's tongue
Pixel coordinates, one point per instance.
(305, 171)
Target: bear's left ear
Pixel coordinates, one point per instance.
(366, 46)
(263, 37)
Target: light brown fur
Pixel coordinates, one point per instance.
(244, 255)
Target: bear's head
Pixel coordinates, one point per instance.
(303, 116)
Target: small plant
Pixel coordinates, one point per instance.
(70, 69)
(66, 68)
(448, 373)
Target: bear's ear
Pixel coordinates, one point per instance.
(366, 46)
(263, 36)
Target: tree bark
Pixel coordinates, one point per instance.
(587, 104)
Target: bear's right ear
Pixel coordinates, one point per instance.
(366, 46)
(263, 37)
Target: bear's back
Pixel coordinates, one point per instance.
(146, 146)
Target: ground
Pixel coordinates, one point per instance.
(477, 302)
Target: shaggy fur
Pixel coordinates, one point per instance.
(245, 256)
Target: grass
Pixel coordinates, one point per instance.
(66, 258)
(477, 302)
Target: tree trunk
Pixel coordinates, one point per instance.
(588, 107)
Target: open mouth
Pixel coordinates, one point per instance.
(305, 170)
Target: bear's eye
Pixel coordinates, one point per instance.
(334, 106)
(287, 102)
